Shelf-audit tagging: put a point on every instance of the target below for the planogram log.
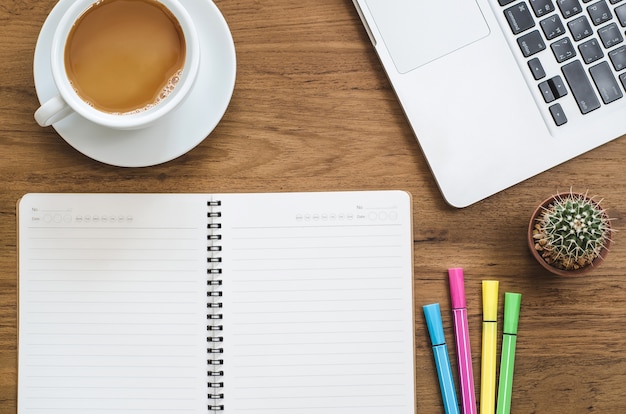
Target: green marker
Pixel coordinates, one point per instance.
(512, 302)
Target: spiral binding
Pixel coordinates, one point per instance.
(214, 305)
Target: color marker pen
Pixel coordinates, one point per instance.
(512, 303)
(488, 361)
(461, 334)
(442, 360)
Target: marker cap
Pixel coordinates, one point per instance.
(512, 303)
(457, 288)
(490, 300)
(435, 325)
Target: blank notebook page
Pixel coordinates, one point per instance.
(318, 304)
(112, 305)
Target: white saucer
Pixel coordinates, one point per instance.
(176, 133)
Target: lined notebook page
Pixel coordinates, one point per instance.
(112, 296)
(318, 312)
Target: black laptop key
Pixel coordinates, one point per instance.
(536, 68)
(610, 35)
(569, 8)
(620, 12)
(505, 2)
(557, 85)
(546, 92)
(542, 7)
(519, 17)
(599, 12)
(552, 27)
(531, 43)
(618, 58)
(563, 49)
(622, 78)
(591, 50)
(580, 86)
(557, 114)
(605, 82)
(580, 28)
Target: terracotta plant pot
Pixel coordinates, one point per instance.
(538, 254)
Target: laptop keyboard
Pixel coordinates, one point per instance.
(573, 49)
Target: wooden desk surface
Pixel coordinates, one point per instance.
(313, 110)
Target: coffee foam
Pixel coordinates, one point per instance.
(165, 92)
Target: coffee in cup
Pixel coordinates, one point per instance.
(121, 63)
(125, 55)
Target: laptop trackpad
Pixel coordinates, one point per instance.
(419, 31)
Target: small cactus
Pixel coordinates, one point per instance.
(572, 231)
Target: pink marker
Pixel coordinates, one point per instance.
(461, 333)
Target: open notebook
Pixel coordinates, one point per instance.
(188, 303)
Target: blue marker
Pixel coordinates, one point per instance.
(442, 360)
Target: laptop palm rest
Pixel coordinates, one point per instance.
(417, 32)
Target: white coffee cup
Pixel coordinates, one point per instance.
(68, 101)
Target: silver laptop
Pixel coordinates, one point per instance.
(497, 91)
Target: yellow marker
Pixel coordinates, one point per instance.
(488, 361)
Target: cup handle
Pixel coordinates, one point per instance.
(53, 110)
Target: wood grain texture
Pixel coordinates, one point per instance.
(313, 110)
